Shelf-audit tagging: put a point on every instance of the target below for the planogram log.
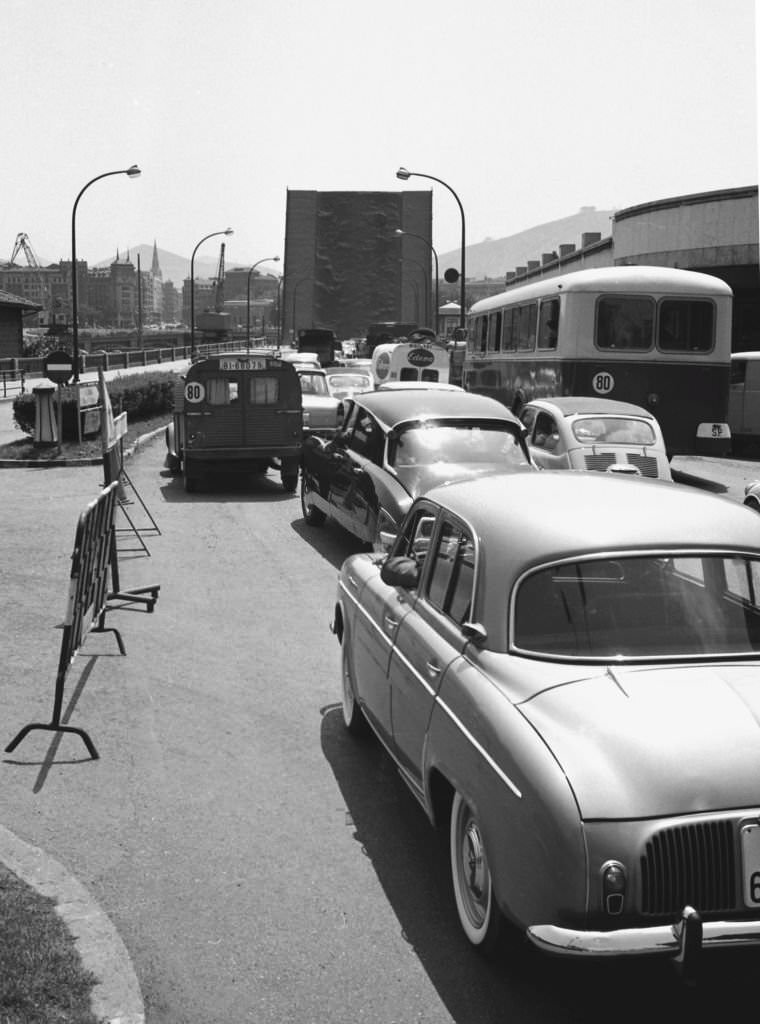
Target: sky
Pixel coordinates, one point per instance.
(526, 109)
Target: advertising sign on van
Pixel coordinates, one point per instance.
(421, 357)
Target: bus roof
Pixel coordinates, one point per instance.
(665, 280)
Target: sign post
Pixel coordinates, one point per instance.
(59, 367)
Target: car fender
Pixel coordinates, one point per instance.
(480, 742)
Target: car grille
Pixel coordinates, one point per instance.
(600, 462)
(646, 464)
(690, 864)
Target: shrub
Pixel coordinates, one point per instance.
(141, 395)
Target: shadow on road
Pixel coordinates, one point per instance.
(701, 482)
(519, 984)
(221, 487)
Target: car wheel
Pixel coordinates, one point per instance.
(314, 516)
(473, 892)
(353, 716)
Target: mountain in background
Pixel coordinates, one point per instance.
(174, 268)
(490, 258)
(493, 257)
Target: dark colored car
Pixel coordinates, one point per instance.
(396, 445)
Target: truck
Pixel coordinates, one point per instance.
(320, 340)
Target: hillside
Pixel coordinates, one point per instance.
(174, 268)
(493, 257)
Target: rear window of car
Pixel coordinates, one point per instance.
(654, 606)
(472, 441)
(613, 430)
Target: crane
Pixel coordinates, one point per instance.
(22, 243)
(219, 286)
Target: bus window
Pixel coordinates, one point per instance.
(431, 375)
(526, 339)
(509, 333)
(624, 321)
(480, 334)
(494, 332)
(408, 373)
(685, 326)
(548, 324)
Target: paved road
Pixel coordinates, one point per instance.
(259, 865)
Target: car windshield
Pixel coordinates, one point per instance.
(470, 441)
(313, 384)
(612, 430)
(650, 606)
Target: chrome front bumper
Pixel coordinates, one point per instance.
(681, 940)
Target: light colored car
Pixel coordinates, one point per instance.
(395, 445)
(574, 696)
(595, 434)
(418, 385)
(347, 381)
(322, 412)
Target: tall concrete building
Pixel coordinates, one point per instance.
(345, 266)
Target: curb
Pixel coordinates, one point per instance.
(116, 998)
(59, 463)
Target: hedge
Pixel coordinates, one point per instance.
(141, 395)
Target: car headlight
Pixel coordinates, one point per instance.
(613, 887)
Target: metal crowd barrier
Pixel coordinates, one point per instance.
(93, 564)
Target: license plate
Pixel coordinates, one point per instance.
(750, 840)
(243, 364)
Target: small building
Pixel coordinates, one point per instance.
(13, 309)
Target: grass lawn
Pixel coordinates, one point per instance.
(42, 980)
(88, 448)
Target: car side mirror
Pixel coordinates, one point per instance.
(400, 571)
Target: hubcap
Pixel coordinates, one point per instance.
(475, 876)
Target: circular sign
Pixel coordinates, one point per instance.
(59, 367)
(382, 365)
(451, 276)
(194, 391)
(602, 382)
(420, 357)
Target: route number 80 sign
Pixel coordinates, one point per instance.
(194, 391)
(602, 382)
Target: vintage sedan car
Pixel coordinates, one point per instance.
(346, 381)
(322, 411)
(395, 445)
(595, 434)
(576, 698)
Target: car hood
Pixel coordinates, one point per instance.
(640, 742)
(420, 479)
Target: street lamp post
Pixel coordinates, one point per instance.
(275, 259)
(227, 231)
(411, 234)
(405, 175)
(131, 172)
(426, 282)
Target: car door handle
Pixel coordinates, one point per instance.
(356, 470)
(390, 622)
(433, 670)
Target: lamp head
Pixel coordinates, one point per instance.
(403, 174)
(399, 231)
(275, 259)
(228, 231)
(133, 171)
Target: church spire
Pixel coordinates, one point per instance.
(155, 269)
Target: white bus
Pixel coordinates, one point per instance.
(654, 336)
(410, 361)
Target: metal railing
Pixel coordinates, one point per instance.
(17, 376)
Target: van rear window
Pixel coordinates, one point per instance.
(264, 390)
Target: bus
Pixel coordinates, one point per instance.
(319, 340)
(654, 336)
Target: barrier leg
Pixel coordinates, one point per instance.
(53, 727)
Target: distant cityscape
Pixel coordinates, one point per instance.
(125, 294)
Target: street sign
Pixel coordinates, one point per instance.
(59, 367)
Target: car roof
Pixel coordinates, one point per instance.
(582, 405)
(392, 407)
(525, 519)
